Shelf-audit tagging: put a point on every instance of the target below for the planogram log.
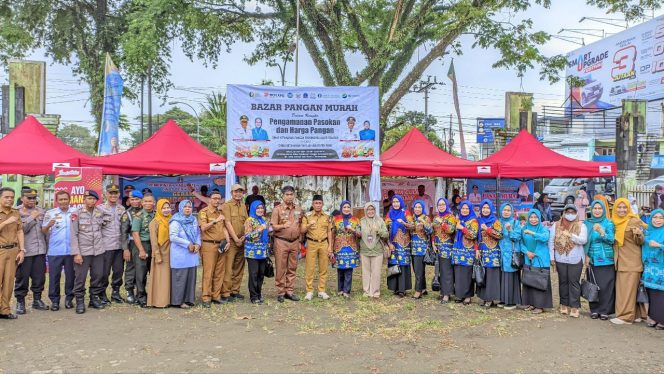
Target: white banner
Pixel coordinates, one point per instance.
(627, 65)
(268, 123)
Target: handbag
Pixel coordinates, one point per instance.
(393, 270)
(269, 268)
(590, 289)
(641, 295)
(479, 272)
(222, 246)
(429, 257)
(435, 282)
(534, 277)
(517, 258)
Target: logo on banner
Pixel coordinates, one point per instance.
(605, 169)
(484, 170)
(624, 64)
(218, 167)
(587, 62)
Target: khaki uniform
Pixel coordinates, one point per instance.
(86, 240)
(286, 246)
(236, 214)
(214, 263)
(8, 251)
(317, 248)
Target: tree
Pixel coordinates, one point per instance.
(405, 122)
(213, 124)
(78, 137)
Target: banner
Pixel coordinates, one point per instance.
(110, 120)
(518, 192)
(76, 181)
(268, 123)
(485, 127)
(178, 188)
(408, 189)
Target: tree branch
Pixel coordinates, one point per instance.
(369, 52)
(234, 9)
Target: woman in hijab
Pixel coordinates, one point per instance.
(374, 232)
(399, 222)
(185, 243)
(653, 269)
(159, 279)
(581, 203)
(444, 225)
(628, 263)
(346, 232)
(544, 208)
(491, 232)
(256, 249)
(420, 244)
(510, 285)
(464, 252)
(604, 200)
(566, 241)
(534, 244)
(599, 260)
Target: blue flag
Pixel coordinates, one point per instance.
(109, 140)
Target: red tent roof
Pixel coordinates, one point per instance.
(525, 157)
(31, 149)
(168, 151)
(320, 168)
(415, 155)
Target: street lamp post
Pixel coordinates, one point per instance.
(198, 122)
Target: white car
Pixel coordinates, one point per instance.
(653, 182)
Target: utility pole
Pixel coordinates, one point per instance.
(150, 101)
(425, 86)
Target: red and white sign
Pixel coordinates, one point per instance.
(76, 181)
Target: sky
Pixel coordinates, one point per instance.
(481, 88)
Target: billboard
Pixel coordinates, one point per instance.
(518, 192)
(485, 127)
(517, 103)
(177, 188)
(31, 75)
(268, 123)
(627, 65)
(76, 181)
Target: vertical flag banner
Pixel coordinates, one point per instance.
(451, 74)
(110, 119)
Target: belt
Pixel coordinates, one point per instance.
(212, 241)
(287, 240)
(8, 246)
(317, 241)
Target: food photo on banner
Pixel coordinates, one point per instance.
(76, 181)
(302, 123)
(176, 188)
(518, 192)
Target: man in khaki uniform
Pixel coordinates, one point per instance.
(12, 249)
(213, 233)
(286, 224)
(88, 252)
(236, 214)
(317, 228)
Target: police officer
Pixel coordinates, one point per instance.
(141, 248)
(317, 228)
(134, 210)
(86, 247)
(34, 265)
(12, 250)
(112, 243)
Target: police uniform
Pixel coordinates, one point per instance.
(34, 265)
(125, 239)
(86, 241)
(59, 256)
(112, 244)
(214, 263)
(317, 248)
(9, 248)
(236, 214)
(141, 225)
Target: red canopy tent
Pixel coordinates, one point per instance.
(415, 155)
(318, 168)
(526, 157)
(31, 149)
(168, 151)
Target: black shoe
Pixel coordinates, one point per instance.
(116, 298)
(55, 307)
(256, 301)
(104, 299)
(20, 306)
(8, 316)
(262, 300)
(131, 299)
(39, 305)
(292, 297)
(425, 292)
(220, 301)
(594, 315)
(237, 296)
(603, 317)
(223, 300)
(95, 302)
(205, 304)
(458, 301)
(280, 298)
(69, 304)
(443, 301)
(80, 306)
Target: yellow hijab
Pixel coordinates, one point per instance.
(621, 223)
(162, 235)
(606, 204)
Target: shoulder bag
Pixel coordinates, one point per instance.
(589, 288)
(535, 277)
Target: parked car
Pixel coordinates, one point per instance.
(653, 182)
(563, 191)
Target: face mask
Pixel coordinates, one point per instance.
(570, 216)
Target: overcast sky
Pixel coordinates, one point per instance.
(481, 87)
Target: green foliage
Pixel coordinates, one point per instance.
(79, 137)
(405, 122)
(213, 123)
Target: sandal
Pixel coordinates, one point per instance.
(537, 311)
(184, 306)
(466, 301)
(417, 295)
(529, 308)
(574, 313)
(659, 326)
(564, 310)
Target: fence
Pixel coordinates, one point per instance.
(642, 194)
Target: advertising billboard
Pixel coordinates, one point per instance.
(78, 180)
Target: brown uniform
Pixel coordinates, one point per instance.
(9, 249)
(317, 248)
(286, 246)
(214, 263)
(236, 214)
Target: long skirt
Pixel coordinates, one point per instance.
(627, 284)
(491, 289)
(401, 282)
(656, 299)
(159, 283)
(510, 288)
(538, 298)
(446, 276)
(419, 270)
(183, 286)
(605, 277)
(463, 281)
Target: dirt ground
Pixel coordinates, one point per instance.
(359, 335)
